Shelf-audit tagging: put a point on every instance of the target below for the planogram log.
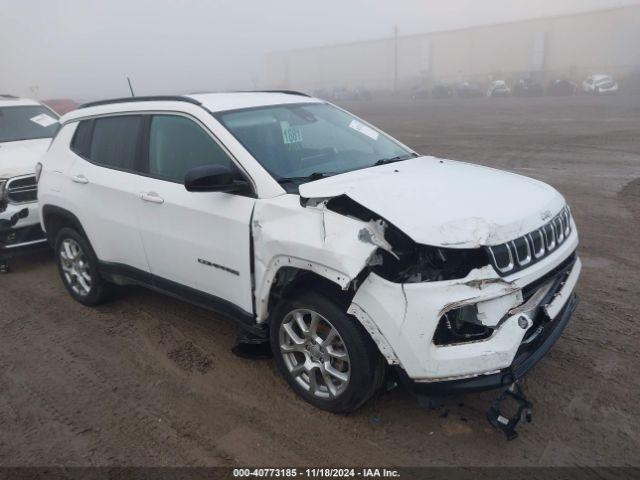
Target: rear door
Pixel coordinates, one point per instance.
(104, 185)
(197, 239)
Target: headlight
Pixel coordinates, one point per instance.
(401, 260)
(422, 263)
(38, 171)
(415, 263)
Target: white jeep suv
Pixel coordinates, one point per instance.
(352, 254)
(26, 129)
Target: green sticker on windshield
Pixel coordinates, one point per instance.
(290, 134)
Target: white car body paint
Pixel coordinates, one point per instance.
(444, 202)
(436, 202)
(287, 234)
(19, 159)
(16, 160)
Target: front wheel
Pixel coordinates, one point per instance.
(324, 354)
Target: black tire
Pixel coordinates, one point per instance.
(366, 365)
(99, 290)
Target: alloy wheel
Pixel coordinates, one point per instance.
(314, 353)
(75, 267)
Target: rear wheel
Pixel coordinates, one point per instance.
(78, 268)
(324, 354)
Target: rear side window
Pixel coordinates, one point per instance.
(114, 142)
(81, 142)
(177, 144)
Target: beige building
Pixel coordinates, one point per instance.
(573, 46)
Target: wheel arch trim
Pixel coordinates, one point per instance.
(279, 262)
(48, 211)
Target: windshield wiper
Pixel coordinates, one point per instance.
(22, 139)
(399, 158)
(311, 177)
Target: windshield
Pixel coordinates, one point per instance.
(299, 141)
(27, 123)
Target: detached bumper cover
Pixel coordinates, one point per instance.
(526, 358)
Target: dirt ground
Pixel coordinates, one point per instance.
(148, 380)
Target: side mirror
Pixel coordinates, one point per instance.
(213, 178)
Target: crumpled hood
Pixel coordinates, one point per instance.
(20, 158)
(446, 203)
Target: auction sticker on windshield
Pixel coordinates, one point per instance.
(290, 134)
(43, 120)
(363, 129)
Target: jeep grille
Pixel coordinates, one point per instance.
(22, 189)
(524, 251)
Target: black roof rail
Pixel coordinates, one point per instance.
(155, 98)
(287, 92)
(8, 95)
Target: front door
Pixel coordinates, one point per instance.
(199, 240)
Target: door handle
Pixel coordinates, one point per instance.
(79, 179)
(152, 197)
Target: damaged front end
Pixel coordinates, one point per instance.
(444, 318)
(455, 325)
(402, 260)
(442, 314)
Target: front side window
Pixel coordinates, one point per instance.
(178, 144)
(115, 141)
(27, 123)
(300, 140)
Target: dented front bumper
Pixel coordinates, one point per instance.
(526, 358)
(526, 313)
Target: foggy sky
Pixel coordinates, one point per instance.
(84, 49)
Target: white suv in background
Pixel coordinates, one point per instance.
(26, 129)
(352, 254)
(600, 85)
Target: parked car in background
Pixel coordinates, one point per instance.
(345, 94)
(340, 93)
(26, 129)
(468, 90)
(561, 88)
(362, 93)
(420, 93)
(442, 91)
(600, 85)
(61, 105)
(307, 226)
(526, 87)
(498, 88)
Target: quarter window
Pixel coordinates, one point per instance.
(115, 141)
(177, 144)
(81, 143)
